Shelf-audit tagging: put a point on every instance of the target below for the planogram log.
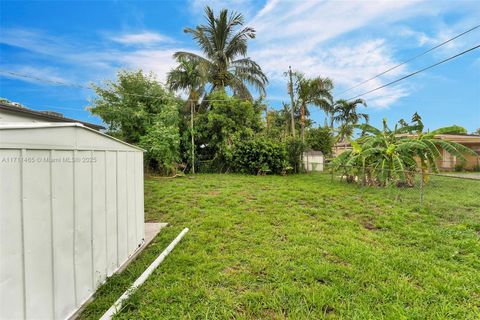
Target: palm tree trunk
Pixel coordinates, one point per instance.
(292, 102)
(303, 122)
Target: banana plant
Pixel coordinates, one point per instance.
(394, 155)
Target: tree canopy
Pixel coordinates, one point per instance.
(224, 42)
(139, 110)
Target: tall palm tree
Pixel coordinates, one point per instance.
(286, 115)
(345, 112)
(316, 91)
(190, 76)
(225, 51)
(329, 110)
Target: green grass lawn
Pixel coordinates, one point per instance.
(303, 247)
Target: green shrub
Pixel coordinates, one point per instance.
(295, 148)
(320, 139)
(162, 141)
(258, 155)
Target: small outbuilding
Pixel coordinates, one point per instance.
(71, 214)
(313, 161)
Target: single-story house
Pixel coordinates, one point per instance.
(10, 113)
(447, 161)
(340, 147)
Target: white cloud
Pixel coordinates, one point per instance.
(92, 63)
(311, 22)
(311, 36)
(347, 64)
(155, 60)
(142, 38)
(442, 33)
(300, 34)
(246, 7)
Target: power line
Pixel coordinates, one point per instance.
(60, 83)
(416, 72)
(410, 59)
(76, 85)
(65, 84)
(35, 107)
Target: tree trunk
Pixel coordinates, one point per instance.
(302, 122)
(292, 102)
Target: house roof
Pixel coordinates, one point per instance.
(458, 138)
(46, 115)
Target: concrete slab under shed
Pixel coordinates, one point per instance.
(151, 231)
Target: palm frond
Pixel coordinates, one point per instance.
(368, 128)
(453, 148)
(449, 130)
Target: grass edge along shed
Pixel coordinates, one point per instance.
(71, 214)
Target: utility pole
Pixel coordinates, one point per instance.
(302, 121)
(290, 89)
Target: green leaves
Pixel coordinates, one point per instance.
(227, 119)
(346, 113)
(320, 139)
(141, 111)
(225, 51)
(450, 130)
(162, 140)
(391, 156)
(258, 155)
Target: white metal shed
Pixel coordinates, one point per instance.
(71, 213)
(313, 160)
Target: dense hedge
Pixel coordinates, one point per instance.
(258, 155)
(295, 148)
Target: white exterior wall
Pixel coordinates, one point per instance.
(65, 225)
(313, 161)
(6, 116)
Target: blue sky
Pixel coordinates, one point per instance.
(348, 41)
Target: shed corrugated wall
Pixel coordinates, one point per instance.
(65, 226)
(313, 161)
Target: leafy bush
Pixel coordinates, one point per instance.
(217, 125)
(130, 105)
(295, 148)
(386, 157)
(320, 139)
(162, 140)
(257, 155)
(139, 110)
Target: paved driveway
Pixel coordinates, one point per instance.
(466, 175)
